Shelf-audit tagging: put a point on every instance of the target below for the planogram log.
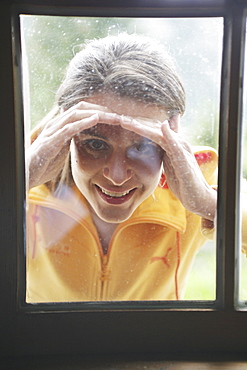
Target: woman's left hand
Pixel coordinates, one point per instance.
(182, 171)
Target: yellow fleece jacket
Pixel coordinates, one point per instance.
(149, 256)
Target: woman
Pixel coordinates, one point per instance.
(118, 205)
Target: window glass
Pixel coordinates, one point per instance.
(157, 255)
(243, 259)
(243, 264)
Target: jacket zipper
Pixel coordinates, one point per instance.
(105, 273)
(104, 277)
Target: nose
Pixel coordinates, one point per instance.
(117, 169)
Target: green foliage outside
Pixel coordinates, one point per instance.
(196, 44)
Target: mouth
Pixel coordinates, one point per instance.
(113, 197)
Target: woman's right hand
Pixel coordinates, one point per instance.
(46, 155)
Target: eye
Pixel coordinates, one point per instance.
(145, 148)
(95, 145)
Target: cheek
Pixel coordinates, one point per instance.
(151, 165)
(84, 162)
(149, 172)
(149, 162)
(156, 163)
(81, 171)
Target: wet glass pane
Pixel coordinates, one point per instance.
(120, 206)
(243, 255)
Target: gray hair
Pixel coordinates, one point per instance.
(131, 66)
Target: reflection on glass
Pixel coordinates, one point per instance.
(243, 256)
(243, 259)
(119, 204)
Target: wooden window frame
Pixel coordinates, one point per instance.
(185, 329)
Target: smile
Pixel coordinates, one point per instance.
(115, 198)
(113, 194)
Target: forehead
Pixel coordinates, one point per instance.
(129, 107)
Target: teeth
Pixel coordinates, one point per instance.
(116, 195)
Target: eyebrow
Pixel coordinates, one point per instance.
(92, 132)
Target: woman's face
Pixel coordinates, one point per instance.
(116, 169)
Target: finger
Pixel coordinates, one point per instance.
(174, 122)
(173, 143)
(70, 129)
(146, 128)
(139, 123)
(158, 132)
(183, 174)
(78, 120)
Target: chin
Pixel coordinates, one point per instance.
(113, 217)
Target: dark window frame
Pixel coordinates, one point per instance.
(190, 327)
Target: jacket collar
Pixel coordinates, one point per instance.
(161, 208)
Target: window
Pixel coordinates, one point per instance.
(151, 328)
(49, 43)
